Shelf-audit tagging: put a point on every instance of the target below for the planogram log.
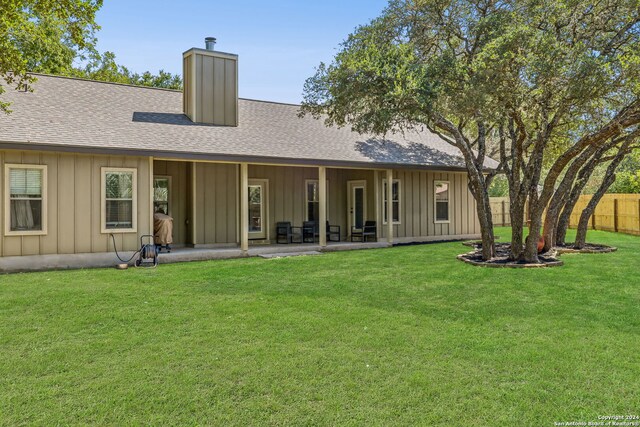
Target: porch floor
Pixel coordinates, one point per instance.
(14, 264)
(202, 254)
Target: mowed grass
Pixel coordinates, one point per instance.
(402, 336)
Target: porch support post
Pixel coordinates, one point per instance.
(194, 203)
(244, 207)
(151, 207)
(322, 199)
(390, 206)
(376, 197)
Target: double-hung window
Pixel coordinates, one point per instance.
(26, 208)
(395, 200)
(441, 201)
(313, 200)
(119, 195)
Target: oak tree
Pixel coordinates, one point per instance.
(549, 83)
(42, 36)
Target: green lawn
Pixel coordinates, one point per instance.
(407, 335)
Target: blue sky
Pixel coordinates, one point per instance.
(279, 42)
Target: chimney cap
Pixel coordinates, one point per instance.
(210, 43)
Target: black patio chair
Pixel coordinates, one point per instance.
(333, 233)
(369, 230)
(310, 231)
(286, 233)
(283, 232)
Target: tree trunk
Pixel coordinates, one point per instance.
(485, 218)
(488, 243)
(565, 217)
(536, 206)
(560, 196)
(530, 253)
(551, 221)
(536, 209)
(550, 224)
(516, 209)
(570, 204)
(583, 225)
(609, 179)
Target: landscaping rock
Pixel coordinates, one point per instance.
(501, 260)
(589, 248)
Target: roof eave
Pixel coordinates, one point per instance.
(227, 158)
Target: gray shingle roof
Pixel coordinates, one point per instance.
(81, 115)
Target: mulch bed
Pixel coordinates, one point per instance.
(501, 260)
(548, 259)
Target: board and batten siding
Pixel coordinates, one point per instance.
(188, 87)
(288, 197)
(74, 201)
(216, 203)
(211, 90)
(417, 210)
(74, 205)
(286, 193)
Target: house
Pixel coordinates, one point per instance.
(83, 160)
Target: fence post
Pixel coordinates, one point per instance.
(615, 215)
(503, 215)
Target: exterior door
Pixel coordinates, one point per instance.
(257, 209)
(357, 205)
(161, 194)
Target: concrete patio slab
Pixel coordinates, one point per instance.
(16, 264)
(289, 254)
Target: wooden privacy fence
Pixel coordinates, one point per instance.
(615, 212)
(500, 211)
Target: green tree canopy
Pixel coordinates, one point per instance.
(58, 37)
(551, 81)
(42, 36)
(103, 67)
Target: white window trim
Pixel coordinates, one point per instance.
(103, 201)
(384, 197)
(306, 200)
(435, 203)
(167, 177)
(7, 197)
(266, 227)
(351, 201)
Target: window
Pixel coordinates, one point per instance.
(161, 189)
(442, 201)
(258, 214)
(26, 211)
(119, 194)
(395, 197)
(313, 200)
(255, 208)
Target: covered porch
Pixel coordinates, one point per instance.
(238, 206)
